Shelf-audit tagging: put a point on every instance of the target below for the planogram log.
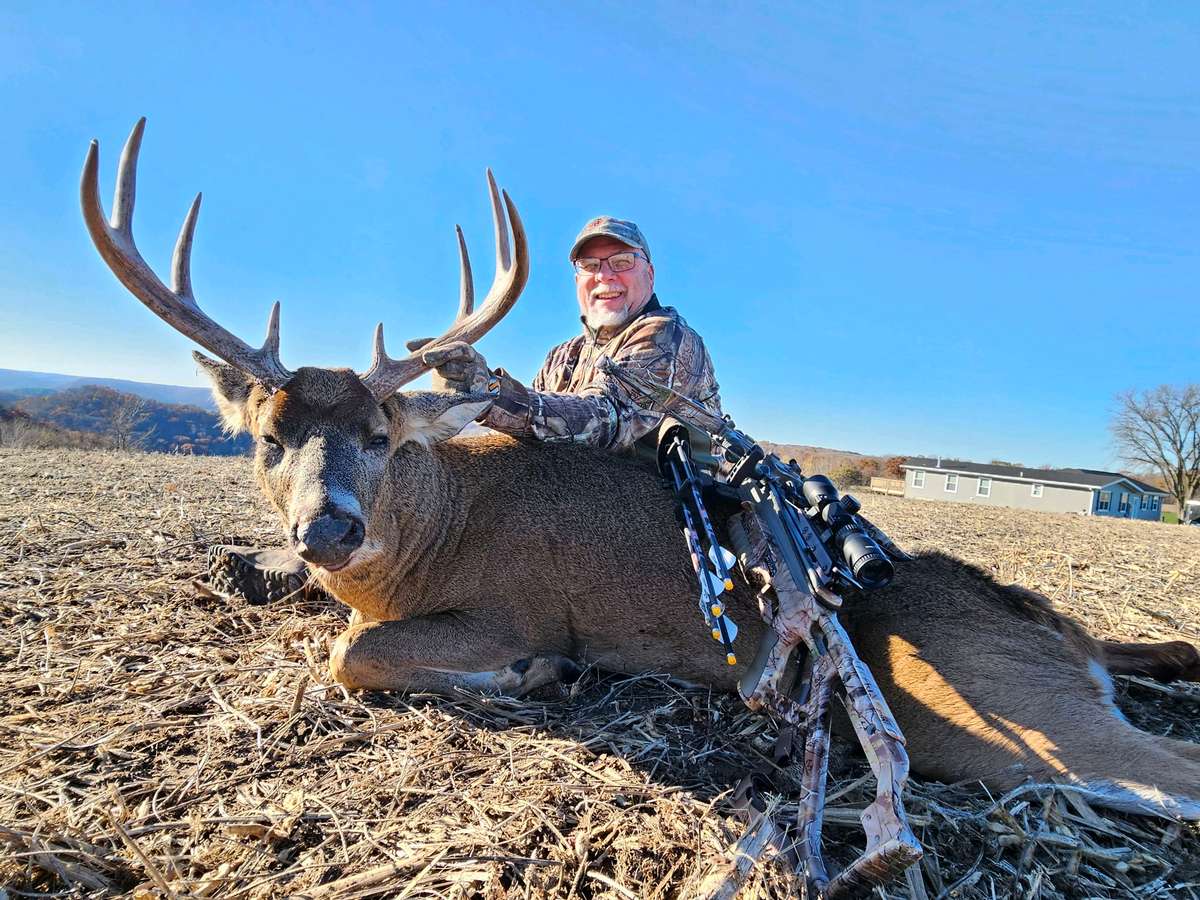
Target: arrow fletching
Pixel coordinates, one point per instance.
(726, 557)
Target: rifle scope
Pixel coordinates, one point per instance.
(865, 558)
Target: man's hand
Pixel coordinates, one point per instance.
(456, 367)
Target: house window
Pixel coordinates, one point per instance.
(952, 483)
(985, 487)
(1035, 491)
(1153, 504)
(918, 478)
(1105, 501)
(1123, 505)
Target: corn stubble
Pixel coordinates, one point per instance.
(159, 740)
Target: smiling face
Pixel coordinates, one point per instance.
(609, 299)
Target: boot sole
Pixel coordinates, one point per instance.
(233, 576)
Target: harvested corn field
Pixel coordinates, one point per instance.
(161, 740)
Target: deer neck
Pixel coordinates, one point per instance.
(422, 509)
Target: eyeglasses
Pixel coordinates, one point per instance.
(617, 263)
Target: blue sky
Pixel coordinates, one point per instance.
(917, 228)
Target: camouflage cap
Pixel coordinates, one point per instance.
(606, 226)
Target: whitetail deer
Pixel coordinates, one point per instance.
(500, 565)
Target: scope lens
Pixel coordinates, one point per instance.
(867, 561)
(875, 572)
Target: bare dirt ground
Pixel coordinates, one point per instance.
(158, 740)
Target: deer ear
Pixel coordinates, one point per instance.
(231, 389)
(429, 417)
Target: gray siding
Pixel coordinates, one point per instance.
(1017, 494)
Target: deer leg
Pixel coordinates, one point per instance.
(440, 654)
(1170, 661)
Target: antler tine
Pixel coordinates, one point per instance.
(501, 228)
(466, 285)
(175, 305)
(386, 375)
(381, 363)
(125, 192)
(181, 259)
(271, 344)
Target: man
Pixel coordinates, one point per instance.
(570, 400)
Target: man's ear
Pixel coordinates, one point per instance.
(231, 389)
(428, 417)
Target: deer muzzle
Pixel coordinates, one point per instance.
(329, 539)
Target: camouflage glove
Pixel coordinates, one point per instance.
(457, 367)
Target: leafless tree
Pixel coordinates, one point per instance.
(16, 433)
(1160, 428)
(125, 426)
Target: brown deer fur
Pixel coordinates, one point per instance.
(497, 564)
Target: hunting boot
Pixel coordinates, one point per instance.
(258, 576)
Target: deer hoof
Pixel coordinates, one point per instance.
(524, 675)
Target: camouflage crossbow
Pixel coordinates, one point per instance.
(804, 545)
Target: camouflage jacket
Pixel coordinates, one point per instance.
(572, 400)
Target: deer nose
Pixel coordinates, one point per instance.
(328, 540)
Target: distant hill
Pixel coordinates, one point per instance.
(786, 451)
(15, 383)
(174, 429)
(822, 460)
(847, 468)
(8, 398)
(165, 427)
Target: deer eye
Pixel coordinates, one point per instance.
(270, 439)
(378, 441)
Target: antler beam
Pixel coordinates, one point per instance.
(387, 375)
(175, 305)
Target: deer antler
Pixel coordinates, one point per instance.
(387, 375)
(175, 305)
(178, 308)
